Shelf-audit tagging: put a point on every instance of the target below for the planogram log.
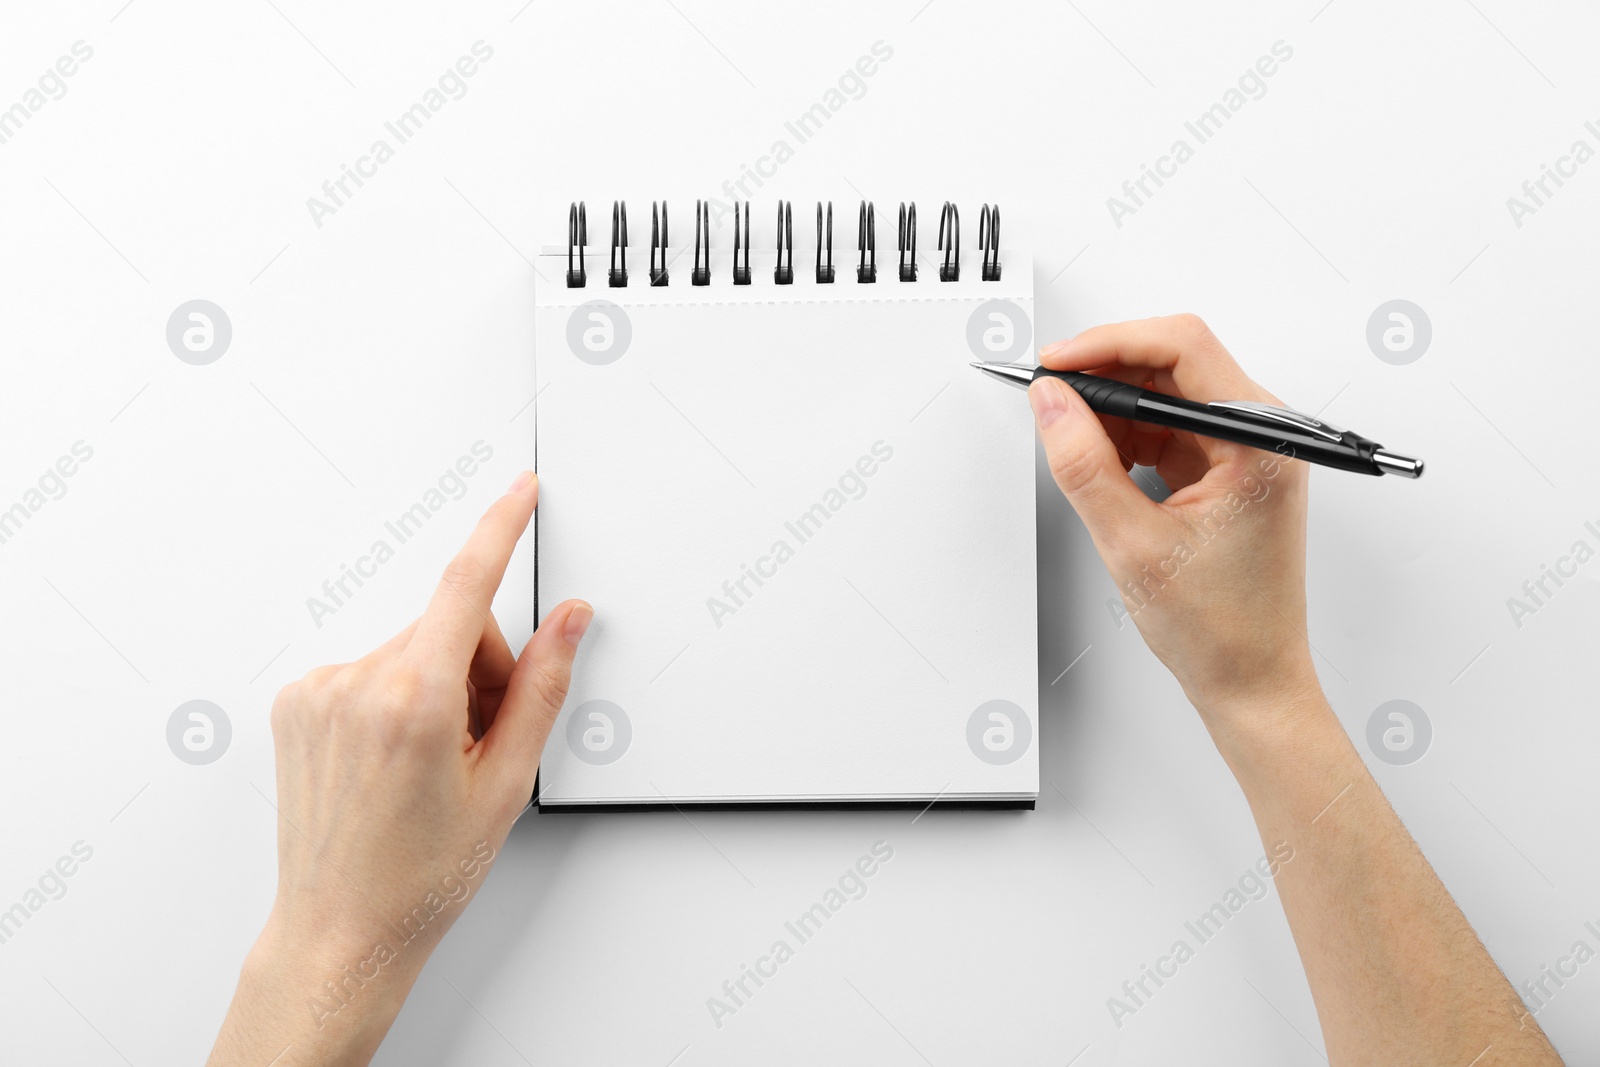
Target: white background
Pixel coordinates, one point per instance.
(369, 353)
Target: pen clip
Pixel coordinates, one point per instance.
(1282, 416)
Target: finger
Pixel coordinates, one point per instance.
(492, 661)
(1143, 377)
(1085, 463)
(1181, 350)
(533, 698)
(489, 674)
(450, 629)
(475, 724)
(1144, 447)
(1181, 463)
(1119, 432)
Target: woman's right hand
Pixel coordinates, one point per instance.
(1214, 577)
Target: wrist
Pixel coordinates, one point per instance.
(1271, 721)
(1286, 688)
(1294, 762)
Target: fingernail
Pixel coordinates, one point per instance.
(1054, 348)
(578, 624)
(522, 481)
(1049, 400)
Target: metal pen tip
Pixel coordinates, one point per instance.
(1010, 373)
(1392, 463)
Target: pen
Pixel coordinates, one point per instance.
(1246, 422)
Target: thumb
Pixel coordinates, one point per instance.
(1083, 460)
(533, 698)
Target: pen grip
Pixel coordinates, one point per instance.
(1104, 395)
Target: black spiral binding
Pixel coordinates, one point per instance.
(577, 238)
(950, 264)
(619, 240)
(867, 239)
(658, 244)
(824, 273)
(741, 274)
(702, 226)
(908, 243)
(783, 273)
(989, 241)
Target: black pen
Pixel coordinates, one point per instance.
(1246, 422)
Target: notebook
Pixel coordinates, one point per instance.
(806, 524)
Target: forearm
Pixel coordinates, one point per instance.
(1397, 973)
(308, 1004)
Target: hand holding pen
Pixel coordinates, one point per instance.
(1233, 527)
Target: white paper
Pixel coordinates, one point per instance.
(806, 525)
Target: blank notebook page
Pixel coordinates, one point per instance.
(806, 525)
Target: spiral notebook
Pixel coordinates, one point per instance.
(805, 522)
